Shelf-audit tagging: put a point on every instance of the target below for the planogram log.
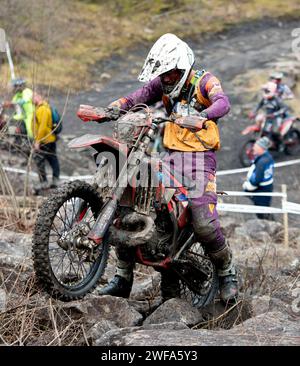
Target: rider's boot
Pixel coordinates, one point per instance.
(169, 287)
(222, 259)
(122, 282)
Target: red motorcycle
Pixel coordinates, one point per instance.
(289, 139)
(79, 222)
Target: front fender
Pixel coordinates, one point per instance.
(98, 142)
(93, 140)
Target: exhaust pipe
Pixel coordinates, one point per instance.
(130, 237)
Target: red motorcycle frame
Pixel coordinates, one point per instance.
(290, 137)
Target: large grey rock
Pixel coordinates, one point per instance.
(253, 229)
(272, 227)
(263, 258)
(114, 309)
(284, 291)
(145, 307)
(146, 289)
(165, 325)
(270, 329)
(97, 330)
(15, 248)
(119, 333)
(177, 310)
(260, 304)
(279, 305)
(263, 237)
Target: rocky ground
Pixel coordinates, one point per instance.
(267, 312)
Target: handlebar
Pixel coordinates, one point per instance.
(89, 113)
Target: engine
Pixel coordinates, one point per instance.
(153, 235)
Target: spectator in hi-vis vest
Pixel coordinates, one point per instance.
(23, 98)
(44, 142)
(260, 175)
(24, 109)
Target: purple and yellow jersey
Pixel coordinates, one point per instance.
(209, 97)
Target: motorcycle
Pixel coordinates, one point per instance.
(289, 138)
(80, 221)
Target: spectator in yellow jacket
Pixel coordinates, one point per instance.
(44, 141)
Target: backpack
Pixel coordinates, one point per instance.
(56, 120)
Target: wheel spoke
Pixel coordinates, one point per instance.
(64, 261)
(196, 273)
(69, 261)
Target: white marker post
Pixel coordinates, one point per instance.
(285, 217)
(10, 61)
(2, 40)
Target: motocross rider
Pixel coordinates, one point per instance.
(275, 112)
(282, 90)
(197, 100)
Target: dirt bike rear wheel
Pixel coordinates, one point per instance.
(198, 276)
(65, 268)
(245, 154)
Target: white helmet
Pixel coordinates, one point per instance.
(168, 53)
(276, 75)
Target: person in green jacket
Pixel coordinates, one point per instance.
(23, 98)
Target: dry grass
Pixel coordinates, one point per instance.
(31, 318)
(17, 212)
(62, 40)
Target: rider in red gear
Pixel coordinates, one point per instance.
(275, 112)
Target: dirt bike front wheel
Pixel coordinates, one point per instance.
(66, 263)
(246, 153)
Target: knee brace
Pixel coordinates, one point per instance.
(207, 229)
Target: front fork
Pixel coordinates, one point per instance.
(128, 171)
